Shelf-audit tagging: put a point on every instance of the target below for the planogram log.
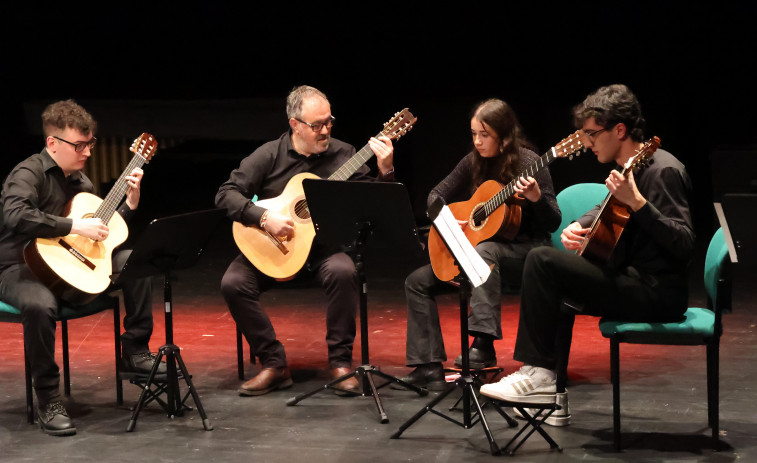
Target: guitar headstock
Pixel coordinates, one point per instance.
(642, 156)
(399, 125)
(569, 146)
(145, 145)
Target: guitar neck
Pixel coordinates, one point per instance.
(509, 190)
(354, 163)
(117, 193)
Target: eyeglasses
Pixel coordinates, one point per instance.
(318, 126)
(591, 134)
(79, 147)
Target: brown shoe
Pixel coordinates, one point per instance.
(349, 386)
(269, 379)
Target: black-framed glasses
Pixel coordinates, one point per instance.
(592, 134)
(79, 147)
(318, 126)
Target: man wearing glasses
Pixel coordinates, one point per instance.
(34, 196)
(645, 277)
(306, 147)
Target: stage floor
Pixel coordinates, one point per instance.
(663, 389)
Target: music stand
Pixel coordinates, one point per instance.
(352, 215)
(734, 213)
(169, 244)
(466, 381)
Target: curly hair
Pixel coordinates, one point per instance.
(611, 105)
(67, 113)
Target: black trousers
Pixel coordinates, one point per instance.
(551, 276)
(243, 284)
(39, 307)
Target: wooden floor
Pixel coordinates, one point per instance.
(663, 390)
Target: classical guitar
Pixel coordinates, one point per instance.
(486, 211)
(608, 225)
(74, 267)
(282, 259)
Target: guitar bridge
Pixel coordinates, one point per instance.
(74, 252)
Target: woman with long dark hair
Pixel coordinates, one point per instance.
(500, 152)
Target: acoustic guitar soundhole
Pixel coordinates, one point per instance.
(301, 210)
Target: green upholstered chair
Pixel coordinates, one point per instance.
(574, 201)
(700, 326)
(8, 313)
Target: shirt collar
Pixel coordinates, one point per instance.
(48, 163)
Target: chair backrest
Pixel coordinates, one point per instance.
(717, 253)
(574, 201)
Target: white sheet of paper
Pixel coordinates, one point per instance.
(467, 257)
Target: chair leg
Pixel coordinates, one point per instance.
(240, 355)
(117, 337)
(615, 378)
(29, 391)
(66, 371)
(713, 389)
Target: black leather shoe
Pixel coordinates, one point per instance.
(142, 363)
(430, 376)
(54, 420)
(478, 359)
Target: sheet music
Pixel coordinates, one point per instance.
(467, 257)
(726, 232)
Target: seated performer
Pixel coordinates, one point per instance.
(33, 198)
(645, 278)
(500, 153)
(306, 147)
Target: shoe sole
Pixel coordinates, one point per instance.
(477, 365)
(435, 386)
(287, 383)
(59, 432)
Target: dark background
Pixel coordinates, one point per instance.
(692, 68)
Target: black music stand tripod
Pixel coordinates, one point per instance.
(168, 244)
(348, 214)
(466, 382)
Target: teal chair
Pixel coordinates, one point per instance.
(8, 313)
(699, 327)
(574, 201)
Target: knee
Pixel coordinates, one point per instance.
(233, 285)
(340, 272)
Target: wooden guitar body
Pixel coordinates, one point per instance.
(76, 268)
(442, 261)
(280, 259)
(600, 241)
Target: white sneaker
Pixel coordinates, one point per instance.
(534, 385)
(560, 417)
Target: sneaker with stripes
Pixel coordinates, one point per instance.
(534, 385)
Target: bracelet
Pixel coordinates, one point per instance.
(388, 172)
(263, 219)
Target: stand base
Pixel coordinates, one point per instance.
(533, 422)
(365, 373)
(466, 383)
(154, 385)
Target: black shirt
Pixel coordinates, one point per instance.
(34, 196)
(267, 170)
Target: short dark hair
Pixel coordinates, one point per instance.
(67, 113)
(610, 105)
(297, 96)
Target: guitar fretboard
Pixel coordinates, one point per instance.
(351, 166)
(509, 190)
(116, 194)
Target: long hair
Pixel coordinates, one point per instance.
(498, 115)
